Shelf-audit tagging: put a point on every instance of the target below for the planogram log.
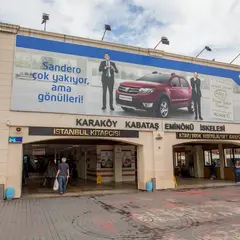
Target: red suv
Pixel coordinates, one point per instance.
(155, 92)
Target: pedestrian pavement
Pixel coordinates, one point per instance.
(168, 215)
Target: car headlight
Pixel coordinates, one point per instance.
(146, 90)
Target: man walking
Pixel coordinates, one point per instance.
(196, 95)
(213, 170)
(63, 175)
(108, 69)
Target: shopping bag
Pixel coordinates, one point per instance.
(56, 185)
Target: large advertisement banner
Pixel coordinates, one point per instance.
(57, 77)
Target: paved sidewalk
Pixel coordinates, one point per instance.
(211, 214)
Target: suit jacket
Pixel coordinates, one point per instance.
(196, 88)
(102, 69)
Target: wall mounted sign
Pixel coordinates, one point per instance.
(207, 136)
(83, 132)
(119, 124)
(13, 139)
(38, 152)
(192, 127)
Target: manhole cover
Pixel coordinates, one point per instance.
(109, 226)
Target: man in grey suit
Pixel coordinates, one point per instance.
(196, 95)
(108, 69)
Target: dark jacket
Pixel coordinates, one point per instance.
(51, 170)
(196, 85)
(102, 69)
(213, 168)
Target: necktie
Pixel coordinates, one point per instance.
(108, 70)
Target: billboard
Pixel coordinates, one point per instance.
(58, 77)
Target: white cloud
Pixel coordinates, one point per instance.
(189, 24)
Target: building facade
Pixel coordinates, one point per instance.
(52, 89)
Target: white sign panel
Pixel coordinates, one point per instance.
(222, 99)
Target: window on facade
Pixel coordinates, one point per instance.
(210, 156)
(216, 157)
(228, 155)
(180, 159)
(207, 158)
(231, 155)
(236, 154)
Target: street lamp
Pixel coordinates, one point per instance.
(164, 40)
(205, 48)
(107, 28)
(235, 58)
(45, 18)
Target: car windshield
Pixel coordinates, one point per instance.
(158, 78)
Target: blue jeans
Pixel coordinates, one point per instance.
(237, 176)
(62, 183)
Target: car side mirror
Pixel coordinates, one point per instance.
(173, 85)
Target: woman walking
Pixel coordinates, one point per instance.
(51, 173)
(237, 171)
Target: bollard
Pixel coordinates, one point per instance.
(154, 184)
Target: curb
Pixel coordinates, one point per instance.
(82, 194)
(105, 193)
(200, 187)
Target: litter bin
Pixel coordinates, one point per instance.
(149, 186)
(10, 192)
(1, 192)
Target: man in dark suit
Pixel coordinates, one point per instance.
(108, 69)
(196, 95)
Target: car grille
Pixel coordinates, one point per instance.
(135, 103)
(132, 90)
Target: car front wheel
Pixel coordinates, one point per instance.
(163, 108)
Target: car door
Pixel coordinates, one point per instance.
(174, 89)
(185, 91)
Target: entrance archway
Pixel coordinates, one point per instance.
(96, 165)
(207, 162)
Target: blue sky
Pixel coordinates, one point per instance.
(189, 24)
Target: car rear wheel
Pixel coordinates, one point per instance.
(191, 107)
(163, 108)
(125, 109)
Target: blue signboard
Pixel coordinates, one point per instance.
(13, 139)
